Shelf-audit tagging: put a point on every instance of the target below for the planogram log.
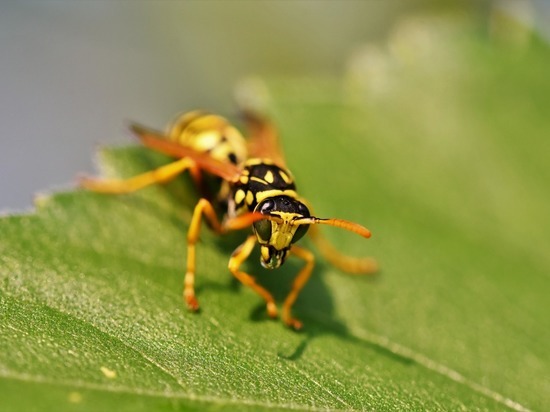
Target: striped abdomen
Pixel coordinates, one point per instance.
(209, 133)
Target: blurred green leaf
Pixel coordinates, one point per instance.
(438, 142)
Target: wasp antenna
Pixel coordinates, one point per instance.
(341, 223)
(242, 221)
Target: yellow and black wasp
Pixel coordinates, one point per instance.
(256, 190)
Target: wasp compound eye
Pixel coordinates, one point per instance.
(263, 229)
(300, 232)
(303, 210)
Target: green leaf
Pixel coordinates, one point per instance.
(439, 144)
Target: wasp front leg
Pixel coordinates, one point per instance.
(203, 207)
(237, 258)
(299, 282)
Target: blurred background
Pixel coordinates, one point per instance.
(72, 74)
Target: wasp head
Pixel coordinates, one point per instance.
(279, 230)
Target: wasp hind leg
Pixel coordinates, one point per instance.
(237, 258)
(162, 174)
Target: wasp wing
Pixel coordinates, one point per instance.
(263, 140)
(157, 141)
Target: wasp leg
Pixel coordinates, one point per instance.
(161, 175)
(349, 264)
(237, 258)
(299, 282)
(203, 207)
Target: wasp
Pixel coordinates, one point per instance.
(255, 190)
